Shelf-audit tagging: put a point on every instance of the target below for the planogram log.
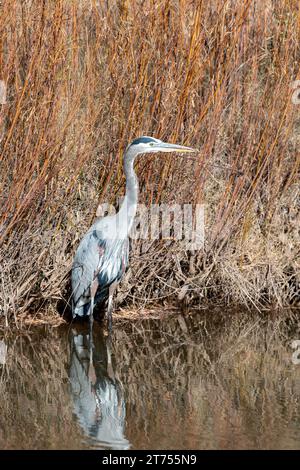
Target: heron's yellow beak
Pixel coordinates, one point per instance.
(165, 147)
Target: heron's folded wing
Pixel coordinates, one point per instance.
(86, 265)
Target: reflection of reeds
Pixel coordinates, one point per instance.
(225, 384)
(83, 78)
(214, 383)
(35, 409)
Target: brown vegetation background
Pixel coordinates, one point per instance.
(85, 77)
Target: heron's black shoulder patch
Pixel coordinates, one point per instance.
(142, 140)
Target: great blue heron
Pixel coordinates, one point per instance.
(102, 255)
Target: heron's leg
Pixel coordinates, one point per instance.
(93, 290)
(111, 291)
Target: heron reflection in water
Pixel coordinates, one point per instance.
(97, 395)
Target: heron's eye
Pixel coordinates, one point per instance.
(151, 143)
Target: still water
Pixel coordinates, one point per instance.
(213, 381)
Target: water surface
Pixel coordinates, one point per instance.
(213, 381)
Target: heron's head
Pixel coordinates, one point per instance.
(147, 144)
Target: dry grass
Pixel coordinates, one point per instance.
(83, 78)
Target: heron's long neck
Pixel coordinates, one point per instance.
(129, 206)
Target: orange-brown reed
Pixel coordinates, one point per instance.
(84, 78)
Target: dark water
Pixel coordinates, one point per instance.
(218, 381)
